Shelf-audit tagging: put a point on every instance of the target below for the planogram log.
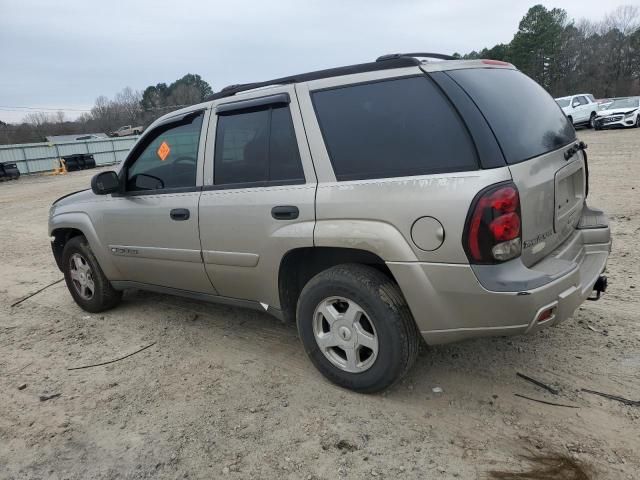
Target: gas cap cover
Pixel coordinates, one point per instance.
(427, 233)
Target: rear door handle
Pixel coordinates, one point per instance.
(285, 212)
(179, 214)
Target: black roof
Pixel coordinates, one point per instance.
(385, 62)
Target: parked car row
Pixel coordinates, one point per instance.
(584, 110)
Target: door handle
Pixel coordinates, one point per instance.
(285, 212)
(179, 214)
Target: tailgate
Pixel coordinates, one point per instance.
(551, 188)
(552, 193)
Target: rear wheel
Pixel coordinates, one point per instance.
(638, 121)
(85, 280)
(357, 328)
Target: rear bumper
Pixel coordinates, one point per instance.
(452, 302)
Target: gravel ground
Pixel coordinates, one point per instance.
(226, 392)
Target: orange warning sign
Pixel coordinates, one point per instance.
(163, 151)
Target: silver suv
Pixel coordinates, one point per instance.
(376, 205)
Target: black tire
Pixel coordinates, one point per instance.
(382, 301)
(570, 118)
(638, 121)
(103, 296)
(592, 120)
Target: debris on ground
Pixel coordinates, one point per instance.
(626, 401)
(45, 397)
(555, 391)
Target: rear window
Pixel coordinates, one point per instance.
(525, 119)
(392, 128)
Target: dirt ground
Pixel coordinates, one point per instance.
(226, 392)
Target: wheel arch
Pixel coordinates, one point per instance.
(59, 238)
(299, 265)
(64, 226)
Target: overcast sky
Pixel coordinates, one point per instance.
(65, 53)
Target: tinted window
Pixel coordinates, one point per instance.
(256, 146)
(526, 120)
(392, 128)
(169, 157)
(563, 102)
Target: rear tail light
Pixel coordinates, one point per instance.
(492, 233)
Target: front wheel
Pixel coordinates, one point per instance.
(356, 328)
(85, 280)
(592, 120)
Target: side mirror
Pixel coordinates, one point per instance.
(105, 183)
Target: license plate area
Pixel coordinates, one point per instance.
(569, 196)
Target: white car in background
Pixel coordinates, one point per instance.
(622, 112)
(581, 109)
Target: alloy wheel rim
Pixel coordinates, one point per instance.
(81, 276)
(345, 334)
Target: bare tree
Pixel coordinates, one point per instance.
(625, 19)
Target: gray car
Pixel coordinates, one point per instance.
(379, 206)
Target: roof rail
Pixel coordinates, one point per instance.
(396, 62)
(392, 56)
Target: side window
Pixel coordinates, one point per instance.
(392, 128)
(582, 100)
(169, 157)
(257, 146)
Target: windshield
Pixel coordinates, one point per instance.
(563, 102)
(624, 103)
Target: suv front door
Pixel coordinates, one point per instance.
(258, 195)
(152, 226)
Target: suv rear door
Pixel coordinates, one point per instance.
(582, 110)
(552, 188)
(258, 196)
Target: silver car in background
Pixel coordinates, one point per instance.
(620, 113)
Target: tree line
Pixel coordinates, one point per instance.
(563, 55)
(566, 56)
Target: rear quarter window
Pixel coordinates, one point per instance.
(392, 128)
(526, 120)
